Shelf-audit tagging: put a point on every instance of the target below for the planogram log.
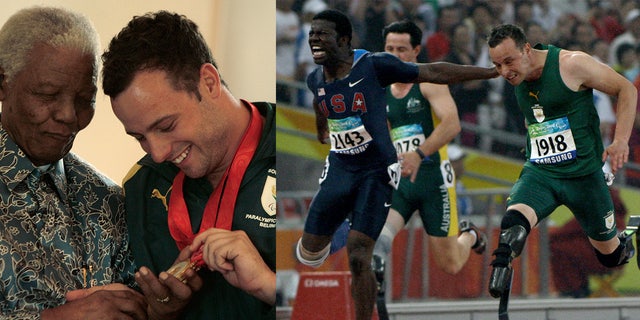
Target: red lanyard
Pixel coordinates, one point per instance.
(219, 209)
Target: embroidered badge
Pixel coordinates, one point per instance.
(414, 105)
(609, 220)
(268, 198)
(538, 110)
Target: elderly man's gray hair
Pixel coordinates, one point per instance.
(57, 27)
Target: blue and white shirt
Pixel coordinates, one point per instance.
(355, 107)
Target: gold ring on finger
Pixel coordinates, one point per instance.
(163, 300)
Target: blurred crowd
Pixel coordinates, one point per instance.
(455, 31)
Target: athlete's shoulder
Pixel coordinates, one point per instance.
(266, 109)
(146, 169)
(376, 57)
(543, 46)
(315, 78)
(267, 145)
(360, 55)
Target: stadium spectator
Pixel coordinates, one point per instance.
(438, 44)
(630, 36)
(287, 27)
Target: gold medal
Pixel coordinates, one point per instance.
(178, 270)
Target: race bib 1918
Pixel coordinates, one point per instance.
(552, 142)
(348, 135)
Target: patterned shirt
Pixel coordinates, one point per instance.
(62, 227)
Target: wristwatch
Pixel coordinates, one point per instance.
(420, 153)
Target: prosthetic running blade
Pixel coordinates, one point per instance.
(503, 308)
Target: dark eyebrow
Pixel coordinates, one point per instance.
(152, 125)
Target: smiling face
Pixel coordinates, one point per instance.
(48, 102)
(511, 62)
(172, 125)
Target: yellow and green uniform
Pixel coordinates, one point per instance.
(433, 192)
(564, 152)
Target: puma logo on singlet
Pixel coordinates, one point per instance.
(163, 197)
(535, 95)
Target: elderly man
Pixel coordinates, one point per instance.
(62, 223)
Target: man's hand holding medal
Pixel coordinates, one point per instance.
(229, 252)
(172, 289)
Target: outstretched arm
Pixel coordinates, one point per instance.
(447, 73)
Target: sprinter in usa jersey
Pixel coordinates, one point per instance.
(361, 170)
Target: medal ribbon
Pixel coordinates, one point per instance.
(219, 209)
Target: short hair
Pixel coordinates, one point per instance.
(506, 31)
(404, 26)
(163, 41)
(342, 22)
(56, 27)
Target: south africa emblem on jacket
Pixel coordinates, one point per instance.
(537, 109)
(538, 112)
(268, 198)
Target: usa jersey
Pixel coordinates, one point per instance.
(355, 107)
